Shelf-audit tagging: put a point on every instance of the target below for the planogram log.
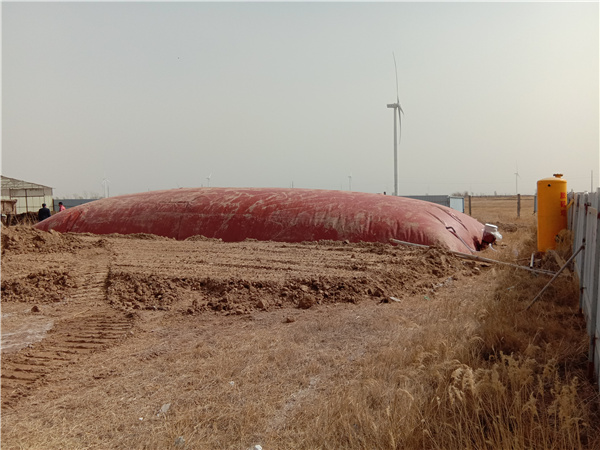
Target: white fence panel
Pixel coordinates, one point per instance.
(594, 199)
(579, 236)
(584, 220)
(595, 296)
(586, 273)
(587, 280)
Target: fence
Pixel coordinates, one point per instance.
(584, 221)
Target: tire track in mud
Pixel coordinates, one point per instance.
(92, 328)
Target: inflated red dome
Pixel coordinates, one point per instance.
(286, 215)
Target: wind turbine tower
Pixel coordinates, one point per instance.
(105, 183)
(397, 132)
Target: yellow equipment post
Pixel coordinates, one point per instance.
(552, 210)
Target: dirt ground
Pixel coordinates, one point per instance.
(78, 294)
(98, 331)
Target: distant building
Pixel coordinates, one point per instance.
(28, 196)
(451, 201)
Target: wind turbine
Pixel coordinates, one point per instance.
(208, 179)
(350, 182)
(397, 109)
(105, 183)
(517, 176)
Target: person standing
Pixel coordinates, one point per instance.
(43, 213)
(61, 207)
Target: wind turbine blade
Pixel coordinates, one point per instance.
(396, 70)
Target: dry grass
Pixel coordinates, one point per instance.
(502, 209)
(466, 369)
(517, 381)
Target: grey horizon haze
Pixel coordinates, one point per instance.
(162, 95)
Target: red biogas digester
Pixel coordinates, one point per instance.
(275, 214)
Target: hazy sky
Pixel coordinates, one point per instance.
(162, 95)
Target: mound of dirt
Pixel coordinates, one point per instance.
(26, 239)
(143, 236)
(199, 237)
(141, 291)
(45, 286)
(404, 273)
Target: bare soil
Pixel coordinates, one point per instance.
(83, 293)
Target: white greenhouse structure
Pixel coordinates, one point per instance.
(28, 196)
